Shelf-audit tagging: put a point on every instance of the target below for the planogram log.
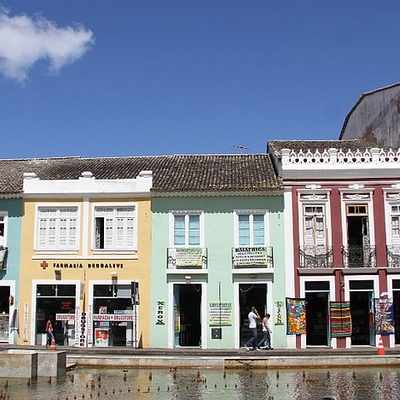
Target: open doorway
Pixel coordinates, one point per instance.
(187, 300)
(251, 295)
(362, 318)
(358, 239)
(317, 316)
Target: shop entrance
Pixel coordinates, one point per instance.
(317, 297)
(187, 300)
(396, 310)
(114, 319)
(362, 313)
(56, 301)
(251, 295)
(4, 313)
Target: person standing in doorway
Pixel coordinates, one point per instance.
(49, 331)
(253, 318)
(265, 342)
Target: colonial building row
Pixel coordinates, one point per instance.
(171, 251)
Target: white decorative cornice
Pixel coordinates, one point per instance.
(87, 184)
(393, 196)
(357, 196)
(313, 186)
(313, 196)
(331, 163)
(356, 186)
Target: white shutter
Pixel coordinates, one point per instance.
(109, 233)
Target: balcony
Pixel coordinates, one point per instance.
(316, 257)
(393, 256)
(359, 256)
(187, 258)
(258, 257)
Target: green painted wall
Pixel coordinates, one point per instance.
(219, 240)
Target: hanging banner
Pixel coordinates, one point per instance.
(279, 310)
(296, 316)
(384, 315)
(340, 319)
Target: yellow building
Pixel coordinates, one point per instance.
(85, 258)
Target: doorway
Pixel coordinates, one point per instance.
(187, 302)
(57, 301)
(362, 318)
(251, 295)
(358, 240)
(317, 318)
(396, 311)
(5, 313)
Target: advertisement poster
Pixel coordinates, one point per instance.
(101, 337)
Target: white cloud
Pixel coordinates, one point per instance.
(26, 40)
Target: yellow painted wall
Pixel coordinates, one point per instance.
(135, 266)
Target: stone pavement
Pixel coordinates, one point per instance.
(314, 357)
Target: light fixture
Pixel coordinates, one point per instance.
(188, 277)
(114, 273)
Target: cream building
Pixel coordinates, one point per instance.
(86, 249)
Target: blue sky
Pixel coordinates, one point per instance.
(157, 77)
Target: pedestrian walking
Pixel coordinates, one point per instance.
(254, 317)
(265, 342)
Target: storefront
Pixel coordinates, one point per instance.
(59, 301)
(8, 321)
(113, 315)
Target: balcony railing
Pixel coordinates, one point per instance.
(187, 257)
(359, 256)
(393, 256)
(259, 257)
(316, 257)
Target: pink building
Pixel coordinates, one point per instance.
(342, 230)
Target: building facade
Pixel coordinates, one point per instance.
(86, 253)
(341, 204)
(217, 250)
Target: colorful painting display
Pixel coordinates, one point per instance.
(296, 316)
(340, 319)
(384, 315)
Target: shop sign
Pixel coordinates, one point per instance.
(65, 317)
(90, 326)
(220, 314)
(81, 265)
(160, 312)
(25, 324)
(242, 256)
(186, 257)
(113, 317)
(82, 330)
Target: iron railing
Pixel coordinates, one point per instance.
(316, 257)
(359, 256)
(393, 256)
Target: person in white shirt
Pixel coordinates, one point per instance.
(253, 318)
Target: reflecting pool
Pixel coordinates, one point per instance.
(152, 384)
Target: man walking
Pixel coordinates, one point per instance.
(253, 318)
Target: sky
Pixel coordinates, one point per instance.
(112, 78)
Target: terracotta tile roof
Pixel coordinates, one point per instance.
(175, 173)
(275, 146)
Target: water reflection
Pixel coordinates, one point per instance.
(154, 384)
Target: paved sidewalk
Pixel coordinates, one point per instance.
(315, 357)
